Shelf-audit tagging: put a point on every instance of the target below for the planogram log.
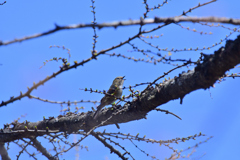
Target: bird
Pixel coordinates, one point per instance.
(114, 92)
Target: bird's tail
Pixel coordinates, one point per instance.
(98, 111)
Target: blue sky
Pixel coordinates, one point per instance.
(214, 112)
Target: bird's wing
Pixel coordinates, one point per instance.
(112, 90)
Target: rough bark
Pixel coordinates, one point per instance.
(203, 76)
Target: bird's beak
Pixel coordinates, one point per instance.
(123, 78)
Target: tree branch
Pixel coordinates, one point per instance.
(112, 149)
(116, 24)
(194, 19)
(43, 150)
(3, 152)
(203, 76)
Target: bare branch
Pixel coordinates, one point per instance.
(43, 150)
(194, 19)
(3, 3)
(64, 102)
(167, 112)
(3, 152)
(112, 149)
(166, 20)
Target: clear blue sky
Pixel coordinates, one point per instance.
(214, 112)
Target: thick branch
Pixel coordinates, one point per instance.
(203, 76)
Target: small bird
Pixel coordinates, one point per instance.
(115, 90)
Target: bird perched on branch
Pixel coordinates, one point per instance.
(114, 92)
